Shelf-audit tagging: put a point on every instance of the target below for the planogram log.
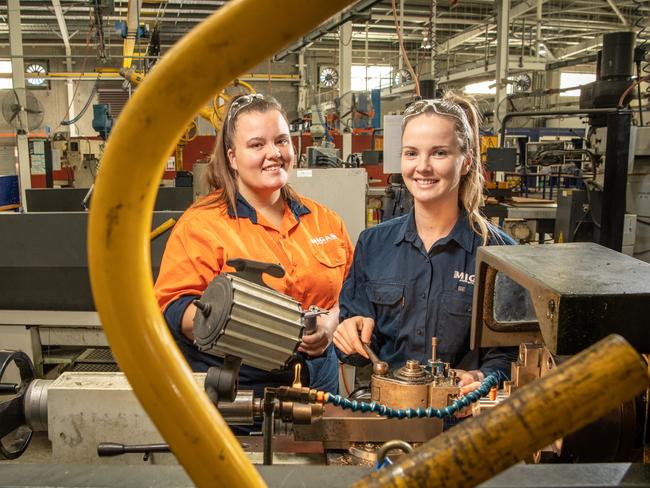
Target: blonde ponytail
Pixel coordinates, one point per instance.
(472, 184)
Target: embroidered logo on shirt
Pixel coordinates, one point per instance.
(464, 277)
(324, 239)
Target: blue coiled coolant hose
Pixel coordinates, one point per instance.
(401, 413)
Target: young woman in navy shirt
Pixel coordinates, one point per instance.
(412, 277)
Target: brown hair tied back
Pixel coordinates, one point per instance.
(219, 174)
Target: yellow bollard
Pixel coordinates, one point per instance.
(234, 39)
(577, 393)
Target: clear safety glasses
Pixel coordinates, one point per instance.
(241, 102)
(445, 108)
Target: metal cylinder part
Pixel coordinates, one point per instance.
(533, 417)
(36, 405)
(301, 413)
(242, 411)
(249, 321)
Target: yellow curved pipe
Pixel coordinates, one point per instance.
(234, 39)
(248, 86)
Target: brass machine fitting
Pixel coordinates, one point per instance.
(415, 385)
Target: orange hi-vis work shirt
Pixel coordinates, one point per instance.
(311, 245)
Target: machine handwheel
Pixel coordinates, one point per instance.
(12, 412)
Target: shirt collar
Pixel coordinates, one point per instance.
(461, 232)
(407, 231)
(297, 209)
(246, 211)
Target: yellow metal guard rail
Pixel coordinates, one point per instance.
(236, 38)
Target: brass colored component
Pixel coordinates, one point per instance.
(534, 417)
(527, 368)
(412, 387)
(398, 394)
(297, 370)
(379, 367)
(340, 429)
(411, 371)
(534, 361)
(304, 413)
(452, 377)
(441, 396)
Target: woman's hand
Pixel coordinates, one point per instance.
(469, 381)
(352, 333)
(316, 343)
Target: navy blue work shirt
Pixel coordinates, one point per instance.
(321, 372)
(414, 294)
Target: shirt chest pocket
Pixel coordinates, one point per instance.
(388, 303)
(454, 324)
(332, 255)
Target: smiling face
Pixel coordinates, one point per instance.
(432, 159)
(262, 153)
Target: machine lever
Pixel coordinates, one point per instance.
(297, 370)
(15, 435)
(9, 388)
(379, 367)
(109, 449)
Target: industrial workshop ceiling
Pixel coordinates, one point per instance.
(457, 33)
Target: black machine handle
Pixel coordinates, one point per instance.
(12, 412)
(250, 270)
(221, 382)
(110, 449)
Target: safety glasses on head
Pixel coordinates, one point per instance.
(240, 103)
(445, 108)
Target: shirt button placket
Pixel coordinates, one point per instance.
(430, 307)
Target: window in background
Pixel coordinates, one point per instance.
(485, 88)
(378, 77)
(5, 68)
(481, 88)
(568, 80)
